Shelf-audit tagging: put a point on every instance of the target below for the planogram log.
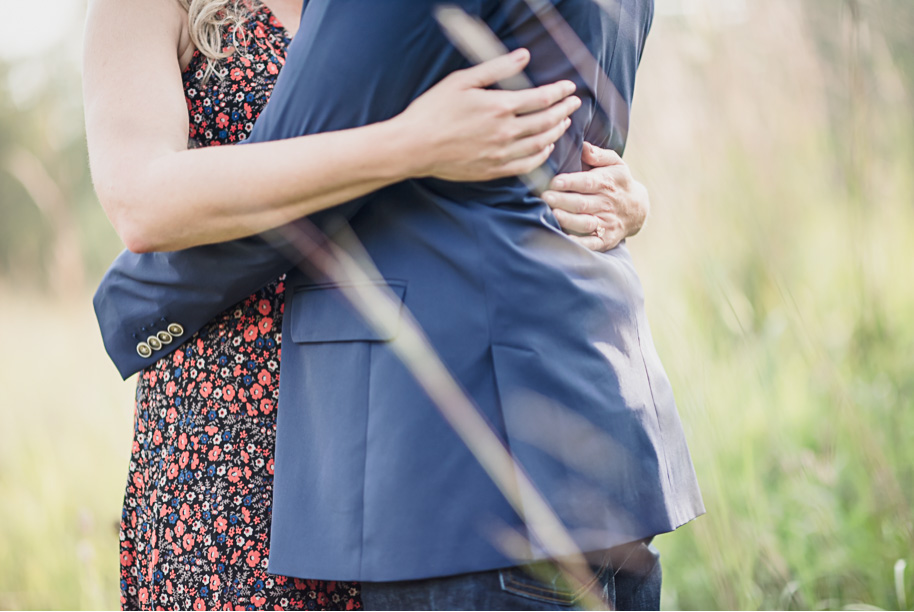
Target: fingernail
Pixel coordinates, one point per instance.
(559, 183)
(518, 55)
(548, 198)
(567, 122)
(570, 87)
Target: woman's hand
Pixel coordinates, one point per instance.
(464, 132)
(601, 206)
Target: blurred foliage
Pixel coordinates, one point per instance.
(777, 140)
(54, 235)
(779, 151)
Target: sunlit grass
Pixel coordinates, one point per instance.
(778, 278)
(64, 447)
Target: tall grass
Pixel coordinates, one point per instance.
(65, 434)
(778, 146)
(778, 266)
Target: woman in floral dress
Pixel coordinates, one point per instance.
(196, 518)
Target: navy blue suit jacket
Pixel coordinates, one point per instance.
(549, 339)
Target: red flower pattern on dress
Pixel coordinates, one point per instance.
(196, 519)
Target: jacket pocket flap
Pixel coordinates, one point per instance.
(321, 313)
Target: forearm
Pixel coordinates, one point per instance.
(201, 196)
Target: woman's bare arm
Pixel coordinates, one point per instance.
(161, 196)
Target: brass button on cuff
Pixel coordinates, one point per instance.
(143, 350)
(175, 329)
(164, 337)
(154, 343)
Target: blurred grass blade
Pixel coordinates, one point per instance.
(478, 43)
(605, 93)
(900, 567)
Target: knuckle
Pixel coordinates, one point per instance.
(540, 126)
(511, 132)
(542, 99)
(605, 205)
(504, 107)
(544, 123)
(504, 134)
(534, 157)
(539, 159)
(558, 112)
(546, 139)
(535, 150)
(518, 166)
(490, 157)
(547, 97)
(549, 93)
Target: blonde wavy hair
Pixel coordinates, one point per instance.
(209, 20)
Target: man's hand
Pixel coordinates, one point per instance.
(601, 206)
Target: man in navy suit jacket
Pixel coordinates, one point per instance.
(550, 340)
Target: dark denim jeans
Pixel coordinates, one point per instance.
(629, 575)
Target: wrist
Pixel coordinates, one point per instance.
(409, 156)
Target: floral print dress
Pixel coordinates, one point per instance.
(195, 526)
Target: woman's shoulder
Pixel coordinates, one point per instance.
(154, 13)
(165, 20)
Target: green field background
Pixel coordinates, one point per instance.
(777, 140)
